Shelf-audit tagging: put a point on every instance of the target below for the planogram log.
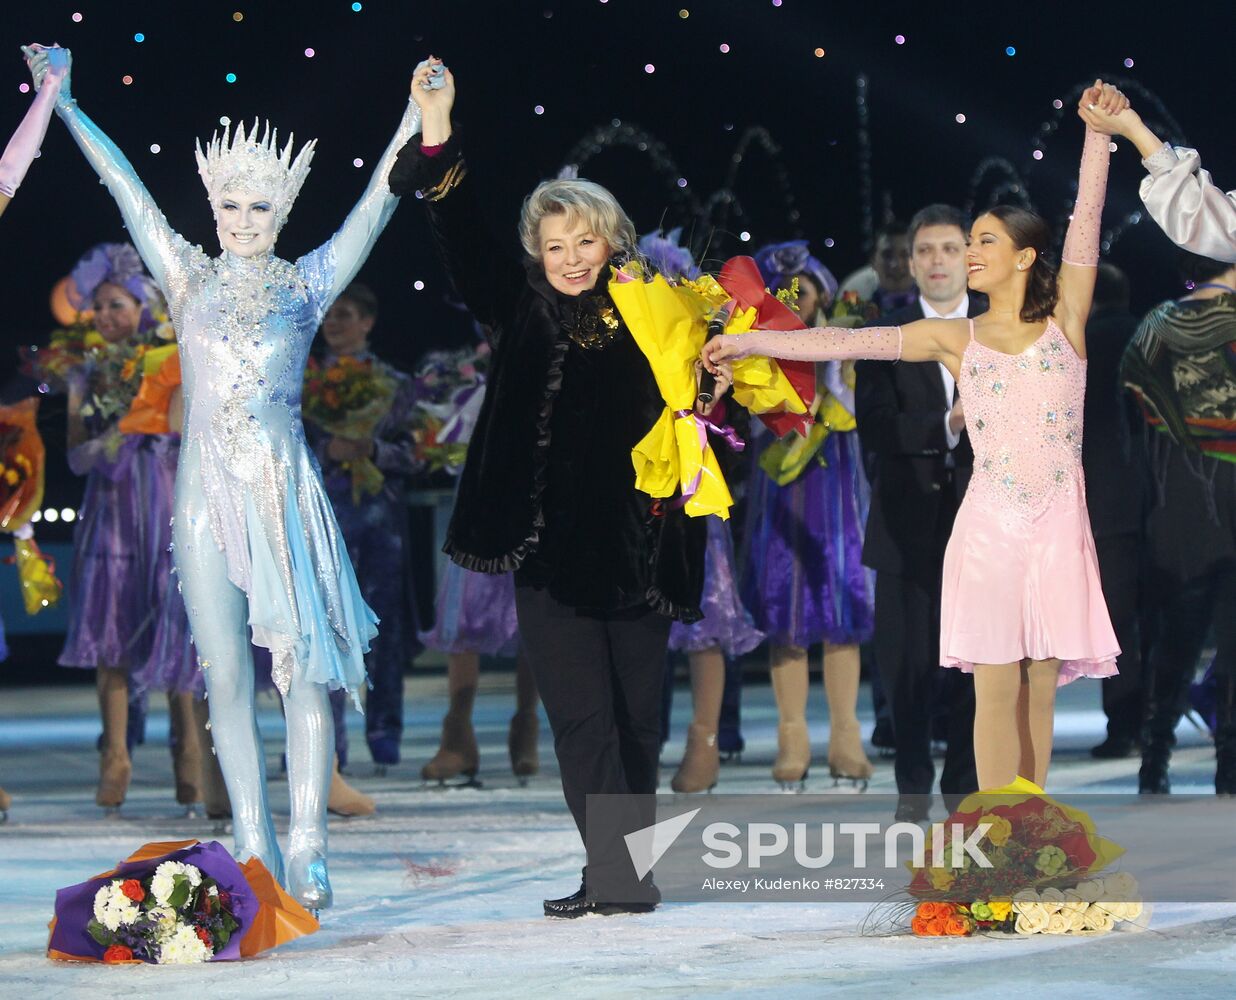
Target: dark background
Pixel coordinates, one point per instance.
(584, 62)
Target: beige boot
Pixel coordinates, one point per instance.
(458, 753)
(344, 800)
(214, 789)
(788, 673)
(847, 761)
(701, 762)
(186, 741)
(521, 741)
(115, 767)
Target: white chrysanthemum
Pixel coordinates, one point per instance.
(164, 880)
(183, 947)
(112, 908)
(164, 920)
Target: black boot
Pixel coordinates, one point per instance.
(1225, 735)
(579, 905)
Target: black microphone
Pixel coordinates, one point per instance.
(716, 328)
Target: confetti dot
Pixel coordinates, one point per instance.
(1057, 104)
(819, 53)
(230, 78)
(959, 119)
(899, 39)
(225, 121)
(309, 53)
(682, 182)
(418, 285)
(45, 388)
(684, 13)
(356, 8)
(539, 109)
(127, 80)
(1010, 51)
(725, 47)
(745, 236)
(829, 242)
(1128, 64)
(776, 3)
(358, 162)
(238, 16)
(1111, 146)
(649, 68)
(139, 38)
(24, 88)
(1037, 154)
(156, 148)
(77, 17)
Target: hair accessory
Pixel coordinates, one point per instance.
(237, 161)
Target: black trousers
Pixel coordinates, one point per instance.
(907, 650)
(600, 680)
(1120, 569)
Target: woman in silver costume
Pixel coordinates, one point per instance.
(255, 540)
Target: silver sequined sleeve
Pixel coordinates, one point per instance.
(1194, 211)
(161, 247)
(328, 269)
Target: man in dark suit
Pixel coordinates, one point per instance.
(912, 427)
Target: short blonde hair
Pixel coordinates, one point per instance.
(577, 200)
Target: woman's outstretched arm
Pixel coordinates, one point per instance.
(23, 147)
(343, 255)
(942, 340)
(159, 245)
(1080, 258)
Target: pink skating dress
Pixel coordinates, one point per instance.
(1021, 578)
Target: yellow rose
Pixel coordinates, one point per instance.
(1000, 909)
(1001, 829)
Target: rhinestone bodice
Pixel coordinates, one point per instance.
(1024, 415)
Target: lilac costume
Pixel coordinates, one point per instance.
(805, 581)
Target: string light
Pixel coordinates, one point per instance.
(819, 53)
(68, 514)
(1128, 64)
(358, 162)
(139, 38)
(156, 148)
(539, 109)
(725, 48)
(230, 78)
(238, 16)
(1010, 50)
(649, 68)
(309, 53)
(899, 39)
(77, 17)
(23, 88)
(127, 80)
(959, 119)
(418, 285)
(356, 8)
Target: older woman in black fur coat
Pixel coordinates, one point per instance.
(548, 489)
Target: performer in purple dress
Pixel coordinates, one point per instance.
(805, 581)
(119, 592)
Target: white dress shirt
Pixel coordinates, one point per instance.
(946, 377)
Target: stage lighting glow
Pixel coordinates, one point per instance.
(819, 53)
(684, 13)
(1128, 64)
(745, 236)
(358, 162)
(156, 148)
(68, 514)
(51, 515)
(649, 68)
(139, 38)
(1037, 154)
(238, 16)
(127, 80)
(899, 39)
(682, 182)
(725, 47)
(23, 88)
(1010, 51)
(539, 109)
(418, 285)
(309, 53)
(356, 8)
(77, 17)
(230, 78)
(829, 242)
(1057, 104)
(960, 119)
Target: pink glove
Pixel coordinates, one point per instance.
(1081, 242)
(24, 146)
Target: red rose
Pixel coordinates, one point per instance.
(118, 953)
(132, 888)
(203, 935)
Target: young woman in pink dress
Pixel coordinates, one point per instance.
(1021, 606)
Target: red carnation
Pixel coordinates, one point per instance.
(132, 888)
(203, 935)
(118, 953)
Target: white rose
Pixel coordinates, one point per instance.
(1057, 923)
(1052, 899)
(1031, 918)
(1025, 897)
(1120, 886)
(1090, 890)
(1073, 903)
(1074, 920)
(1098, 918)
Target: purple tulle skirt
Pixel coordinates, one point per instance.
(805, 581)
(474, 613)
(726, 623)
(4, 649)
(120, 581)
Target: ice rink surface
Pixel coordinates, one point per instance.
(439, 894)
